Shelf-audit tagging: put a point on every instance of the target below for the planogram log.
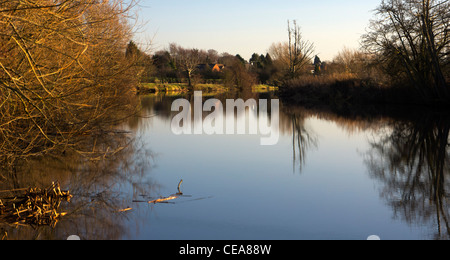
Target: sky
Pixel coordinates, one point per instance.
(249, 26)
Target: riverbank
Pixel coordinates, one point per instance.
(154, 88)
(352, 94)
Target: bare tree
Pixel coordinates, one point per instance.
(292, 57)
(356, 63)
(212, 56)
(411, 39)
(186, 59)
(63, 72)
(280, 55)
(300, 50)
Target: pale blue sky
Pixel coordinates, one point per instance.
(248, 26)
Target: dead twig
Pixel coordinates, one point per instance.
(169, 198)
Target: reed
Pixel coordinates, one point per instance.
(348, 91)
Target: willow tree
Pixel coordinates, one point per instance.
(411, 40)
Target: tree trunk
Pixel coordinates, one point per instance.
(440, 86)
(189, 78)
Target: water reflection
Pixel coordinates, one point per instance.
(408, 158)
(303, 138)
(411, 160)
(96, 180)
(292, 120)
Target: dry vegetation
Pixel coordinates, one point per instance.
(404, 59)
(63, 73)
(33, 207)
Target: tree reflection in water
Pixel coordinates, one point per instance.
(302, 140)
(409, 158)
(102, 181)
(412, 162)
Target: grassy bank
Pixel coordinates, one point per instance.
(263, 88)
(151, 88)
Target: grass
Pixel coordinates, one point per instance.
(151, 88)
(263, 88)
(148, 88)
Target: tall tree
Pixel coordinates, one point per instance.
(411, 38)
(317, 66)
(300, 50)
(242, 60)
(186, 59)
(255, 60)
(212, 56)
(237, 75)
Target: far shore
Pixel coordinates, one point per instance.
(151, 88)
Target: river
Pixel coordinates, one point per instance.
(327, 177)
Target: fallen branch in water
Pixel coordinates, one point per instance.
(161, 200)
(125, 210)
(171, 197)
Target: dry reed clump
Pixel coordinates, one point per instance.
(34, 207)
(320, 81)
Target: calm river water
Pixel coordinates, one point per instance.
(328, 177)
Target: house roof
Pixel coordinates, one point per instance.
(211, 66)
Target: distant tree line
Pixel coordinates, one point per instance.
(192, 66)
(407, 45)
